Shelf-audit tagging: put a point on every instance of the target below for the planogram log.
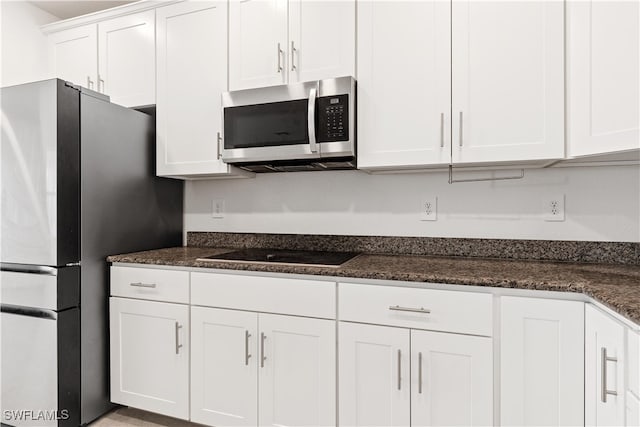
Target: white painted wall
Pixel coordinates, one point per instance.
(24, 54)
(602, 204)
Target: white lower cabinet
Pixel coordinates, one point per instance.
(604, 369)
(150, 355)
(542, 362)
(224, 372)
(250, 369)
(374, 384)
(451, 379)
(400, 377)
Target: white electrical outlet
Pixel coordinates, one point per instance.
(217, 208)
(553, 208)
(429, 209)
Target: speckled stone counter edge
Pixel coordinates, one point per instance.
(543, 250)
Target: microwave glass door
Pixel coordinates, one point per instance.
(266, 125)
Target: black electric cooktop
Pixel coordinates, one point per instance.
(285, 257)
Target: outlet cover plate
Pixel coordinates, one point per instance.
(429, 209)
(553, 208)
(217, 208)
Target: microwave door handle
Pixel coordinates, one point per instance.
(311, 120)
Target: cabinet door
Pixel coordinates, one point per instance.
(542, 362)
(604, 350)
(317, 50)
(224, 367)
(257, 43)
(127, 59)
(150, 356)
(404, 84)
(190, 83)
(297, 374)
(451, 380)
(75, 55)
(375, 385)
(507, 80)
(603, 56)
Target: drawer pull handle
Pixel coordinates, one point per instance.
(409, 309)
(143, 285)
(178, 345)
(603, 374)
(247, 335)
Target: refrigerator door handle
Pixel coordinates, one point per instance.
(40, 313)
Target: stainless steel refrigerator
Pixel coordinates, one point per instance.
(78, 184)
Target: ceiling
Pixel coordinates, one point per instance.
(70, 9)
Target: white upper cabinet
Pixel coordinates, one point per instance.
(603, 60)
(115, 57)
(257, 43)
(190, 83)
(508, 81)
(404, 84)
(318, 50)
(75, 55)
(541, 362)
(604, 369)
(273, 42)
(127, 61)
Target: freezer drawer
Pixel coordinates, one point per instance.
(40, 286)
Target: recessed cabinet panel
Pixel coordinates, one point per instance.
(127, 59)
(75, 55)
(224, 367)
(404, 83)
(508, 81)
(451, 380)
(150, 356)
(604, 369)
(257, 43)
(542, 362)
(603, 56)
(374, 380)
(297, 374)
(319, 50)
(190, 82)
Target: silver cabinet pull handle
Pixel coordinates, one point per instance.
(399, 370)
(100, 80)
(420, 373)
(143, 285)
(460, 128)
(441, 130)
(263, 357)
(246, 348)
(279, 63)
(219, 140)
(89, 83)
(603, 374)
(409, 309)
(293, 51)
(178, 345)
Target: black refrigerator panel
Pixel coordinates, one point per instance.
(124, 208)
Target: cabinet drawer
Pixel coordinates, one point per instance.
(308, 298)
(150, 283)
(451, 311)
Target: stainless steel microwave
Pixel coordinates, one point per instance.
(295, 127)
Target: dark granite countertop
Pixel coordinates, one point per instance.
(616, 286)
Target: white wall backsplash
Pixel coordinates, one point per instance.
(602, 204)
(25, 56)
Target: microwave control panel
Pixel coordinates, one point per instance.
(333, 118)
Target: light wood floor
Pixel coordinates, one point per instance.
(130, 417)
